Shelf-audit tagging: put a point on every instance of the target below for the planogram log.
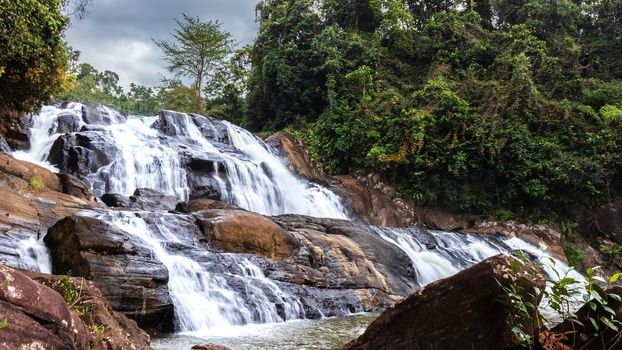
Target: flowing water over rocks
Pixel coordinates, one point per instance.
(213, 264)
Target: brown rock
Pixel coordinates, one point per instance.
(295, 151)
(109, 330)
(440, 219)
(607, 220)
(40, 307)
(196, 205)
(27, 171)
(73, 186)
(375, 207)
(241, 231)
(586, 337)
(459, 312)
(210, 346)
(119, 265)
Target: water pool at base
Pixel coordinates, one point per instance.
(323, 334)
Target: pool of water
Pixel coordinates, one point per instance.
(323, 334)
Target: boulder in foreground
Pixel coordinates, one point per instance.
(464, 311)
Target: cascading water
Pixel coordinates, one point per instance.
(34, 255)
(142, 156)
(204, 300)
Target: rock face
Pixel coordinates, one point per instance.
(121, 267)
(109, 330)
(370, 198)
(148, 199)
(14, 128)
(4, 147)
(38, 317)
(606, 220)
(240, 231)
(31, 201)
(459, 312)
(331, 267)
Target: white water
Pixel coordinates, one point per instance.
(34, 255)
(255, 179)
(205, 301)
(43, 133)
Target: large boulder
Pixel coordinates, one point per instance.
(606, 220)
(29, 172)
(118, 264)
(68, 122)
(464, 311)
(241, 231)
(109, 330)
(148, 199)
(37, 316)
(15, 129)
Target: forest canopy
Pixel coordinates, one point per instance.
(510, 107)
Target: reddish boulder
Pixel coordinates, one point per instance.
(464, 311)
(37, 315)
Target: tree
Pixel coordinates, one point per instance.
(33, 56)
(198, 50)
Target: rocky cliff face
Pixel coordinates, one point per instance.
(333, 266)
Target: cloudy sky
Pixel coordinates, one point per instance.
(116, 34)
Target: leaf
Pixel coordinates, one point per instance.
(4, 324)
(609, 324)
(615, 297)
(595, 324)
(592, 305)
(614, 278)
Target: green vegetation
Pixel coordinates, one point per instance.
(526, 320)
(36, 184)
(33, 59)
(506, 107)
(4, 324)
(574, 255)
(103, 87)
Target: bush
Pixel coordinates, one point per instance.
(36, 184)
(574, 255)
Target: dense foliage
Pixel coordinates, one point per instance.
(93, 86)
(33, 55)
(511, 107)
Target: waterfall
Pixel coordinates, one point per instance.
(33, 255)
(44, 132)
(204, 300)
(153, 152)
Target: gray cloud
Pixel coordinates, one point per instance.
(116, 35)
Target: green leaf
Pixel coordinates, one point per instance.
(609, 324)
(595, 324)
(614, 278)
(4, 324)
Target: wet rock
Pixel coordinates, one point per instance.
(100, 115)
(118, 264)
(241, 231)
(74, 186)
(15, 129)
(116, 200)
(68, 122)
(82, 153)
(210, 346)
(202, 204)
(148, 199)
(606, 220)
(4, 147)
(212, 129)
(536, 234)
(38, 317)
(109, 330)
(581, 334)
(460, 312)
(295, 151)
(341, 253)
(28, 171)
(172, 123)
(441, 219)
(203, 187)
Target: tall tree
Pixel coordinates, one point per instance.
(197, 51)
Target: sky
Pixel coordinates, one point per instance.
(117, 35)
